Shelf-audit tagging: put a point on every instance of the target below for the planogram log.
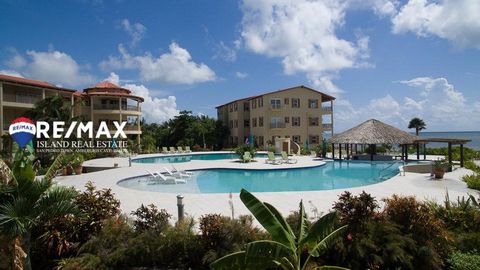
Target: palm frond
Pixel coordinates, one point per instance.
(56, 165)
(58, 201)
(16, 216)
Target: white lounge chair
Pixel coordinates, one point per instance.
(152, 174)
(175, 170)
(171, 180)
(176, 174)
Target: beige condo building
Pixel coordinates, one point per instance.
(102, 102)
(299, 113)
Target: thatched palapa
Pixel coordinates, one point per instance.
(374, 132)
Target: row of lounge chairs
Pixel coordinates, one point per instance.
(179, 150)
(170, 176)
(285, 159)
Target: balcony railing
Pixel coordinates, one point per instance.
(115, 107)
(128, 127)
(326, 109)
(327, 126)
(22, 98)
(277, 125)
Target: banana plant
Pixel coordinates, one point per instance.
(285, 249)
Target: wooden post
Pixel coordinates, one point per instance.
(418, 151)
(371, 152)
(403, 152)
(450, 156)
(461, 155)
(424, 151)
(340, 151)
(406, 152)
(347, 146)
(333, 151)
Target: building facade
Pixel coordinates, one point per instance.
(300, 113)
(102, 102)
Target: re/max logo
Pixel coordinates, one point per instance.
(79, 129)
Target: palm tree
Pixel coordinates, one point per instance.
(285, 249)
(417, 124)
(25, 201)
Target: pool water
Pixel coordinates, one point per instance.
(186, 158)
(332, 175)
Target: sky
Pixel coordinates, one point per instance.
(390, 60)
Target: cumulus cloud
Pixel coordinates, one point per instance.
(225, 52)
(52, 65)
(437, 102)
(455, 20)
(136, 31)
(303, 35)
(241, 75)
(174, 67)
(154, 109)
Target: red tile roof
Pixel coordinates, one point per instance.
(325, 97)
(106, 84)
(37, 83)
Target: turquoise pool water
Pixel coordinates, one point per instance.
(186, 158)
(332, 175)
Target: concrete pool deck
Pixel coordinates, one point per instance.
(412, 184)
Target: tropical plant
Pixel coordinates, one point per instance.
(150, 218)
(472, 180)
(285, 250)
(464, 261)
(25, 201)
(418, 124)
(240, 150)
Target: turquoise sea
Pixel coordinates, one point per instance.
(470, 135)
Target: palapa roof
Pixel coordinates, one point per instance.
(374, 132)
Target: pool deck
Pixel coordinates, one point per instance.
(412, 184)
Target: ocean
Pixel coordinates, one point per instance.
(470, 135)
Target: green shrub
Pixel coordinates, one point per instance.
(473, 181)
(240, 150)
(150, 218)
(464, 261)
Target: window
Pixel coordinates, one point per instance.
(295, 121)
(231, 124)
(254, 104)
(260, 102)
(246, 123)
(230, 140)
(313, 103)
(254, 120)
(260, 121)
(235, 124)
(276, 122)
(296, 138)
(286, 101)
(260, 140)
(275, 103)
(313, 121)
(231, 107)
(235, 106)
(287, 119)
(314, 139)
(295, 103)
(246, 106)
(235, 140)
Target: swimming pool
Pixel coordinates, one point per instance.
(332, 175)
(185, 158)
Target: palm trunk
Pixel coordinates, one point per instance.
(416, 131)
(26, 249)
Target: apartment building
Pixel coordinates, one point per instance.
(300, 113)
(102, 102)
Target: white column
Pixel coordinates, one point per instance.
(72, 108)
(331, 114)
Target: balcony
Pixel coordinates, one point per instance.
(113, 107)
(327, 110)
(22, 98)
(326, 127)
(277, 125)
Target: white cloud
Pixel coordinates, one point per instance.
(10, 72)
(241, 75)
(154, 110)
(225, 52)
(303, 35)
(437, 102)
(455, 20)
(52, 66)
(174, 67)
(136, 31)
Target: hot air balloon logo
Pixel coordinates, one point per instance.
(22, 130)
